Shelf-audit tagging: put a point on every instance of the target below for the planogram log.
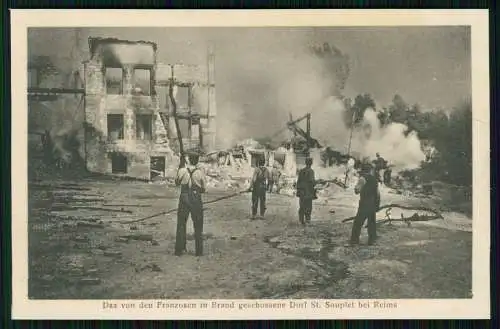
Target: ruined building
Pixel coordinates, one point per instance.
(55, 96)
(129, 126)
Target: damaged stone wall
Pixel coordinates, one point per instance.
(130, 101)
(101, 148)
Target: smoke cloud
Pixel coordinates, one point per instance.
(262, 76)
(272, 80)
(403, 152)
(269, 80)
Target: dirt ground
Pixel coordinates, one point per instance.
(81, 248)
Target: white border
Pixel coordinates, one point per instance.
(477, 308)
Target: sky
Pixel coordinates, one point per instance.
(266, 73)
(429, 65)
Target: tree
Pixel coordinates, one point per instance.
(384, 116)
(457, 152)
(415, 119)
(354, 113)
(398, 110)
(452, 137)
(437, 129)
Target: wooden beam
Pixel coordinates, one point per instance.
(165, 83)
(298, 120)
(186, 116)
(43, 97)
(34, 90)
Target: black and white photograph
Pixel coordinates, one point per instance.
(256, 163)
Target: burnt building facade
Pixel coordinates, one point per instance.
(129, 124)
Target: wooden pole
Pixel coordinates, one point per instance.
(174, 112)
(308, 131)
(190, 118)
(349, 145)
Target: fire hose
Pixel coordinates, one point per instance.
(414, 218)
(175, 209)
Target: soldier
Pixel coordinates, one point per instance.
(258, 187)
(387, 175)
(191, 179)
(306, 191)
(369, 202)
(328, 157)
(379, 164)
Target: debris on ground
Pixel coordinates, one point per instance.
(292, 262)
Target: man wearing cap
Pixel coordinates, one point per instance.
(306, 191)
(369, 202)
(191, 179)
(258, 187)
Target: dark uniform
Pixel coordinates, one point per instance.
(192, 182)
(258, 186)
(369, 202)
(306, 191)
(379, 164)
(387, 176)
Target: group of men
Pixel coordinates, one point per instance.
(191, 180)
(369, 201)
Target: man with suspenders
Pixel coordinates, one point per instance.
(369, 202)
(191, 179)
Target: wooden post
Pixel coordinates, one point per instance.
(174, 112)
(190, 119)
(308, 132)
(211, 130)
(291, 120)
(308, 127)
(200, 137)
(349, 145)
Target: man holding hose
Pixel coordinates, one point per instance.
(191, 179)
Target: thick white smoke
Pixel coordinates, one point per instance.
(327, 125)
(404, 152)
(260, 82)
(267, 86)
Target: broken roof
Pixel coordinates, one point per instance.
(95, 41)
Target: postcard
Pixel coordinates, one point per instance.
(268, 164)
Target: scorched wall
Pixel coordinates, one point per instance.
(125, 128)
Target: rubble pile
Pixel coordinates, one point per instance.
(233, 169)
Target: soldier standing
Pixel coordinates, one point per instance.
(191, 179)
(306, 191)
(369, 202)
(387, 175)
(258, 186)
(379, 164)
